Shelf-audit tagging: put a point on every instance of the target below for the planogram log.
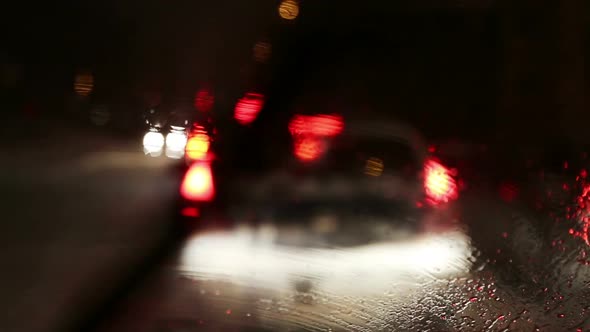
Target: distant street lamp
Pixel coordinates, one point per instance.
(289, 9)
(84, 84)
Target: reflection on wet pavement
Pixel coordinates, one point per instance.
(494, 271)
(249, 256)
(287, 277)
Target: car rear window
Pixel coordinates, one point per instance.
(352, 155)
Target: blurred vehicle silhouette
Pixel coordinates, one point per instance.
(167, 130)
(315, 165)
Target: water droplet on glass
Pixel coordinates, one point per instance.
(345, 310)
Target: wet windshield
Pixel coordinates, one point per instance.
(296, 166)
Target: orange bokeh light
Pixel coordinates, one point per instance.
(197, 146)
(289, 9)
(84, 84)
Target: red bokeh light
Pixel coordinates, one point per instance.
(582, 209)
(204, 100)
(320, 125)
(308, 132)
(248, 107)
(197, 184)
(439, 185)
(308, 148)
(192, 212)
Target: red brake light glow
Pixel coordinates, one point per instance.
(320, 125)
(439, 185)
(197, 184)
(308, 148)
(308, 132)
(247, 108)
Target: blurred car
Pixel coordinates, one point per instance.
(167, 130)
(317, 165)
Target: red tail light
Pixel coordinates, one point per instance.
(309, 131)
(308, 148)
(439, 184)
(197, 184)
(247, 108)
(320, 125)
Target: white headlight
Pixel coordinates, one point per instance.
(176, 141)
(153, 141)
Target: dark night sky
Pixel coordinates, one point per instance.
(441, 62)
(405, 52)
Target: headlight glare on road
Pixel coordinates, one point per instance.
(247, 255)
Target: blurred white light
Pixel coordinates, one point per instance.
(246, 256)
(175, 141)
(174, 154)
(153, 143)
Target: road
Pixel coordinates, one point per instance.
(491, 267)
(87, 216)
(79, 211)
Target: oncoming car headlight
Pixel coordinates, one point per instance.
(176, 141)
(153, 142)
